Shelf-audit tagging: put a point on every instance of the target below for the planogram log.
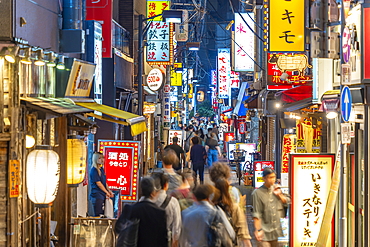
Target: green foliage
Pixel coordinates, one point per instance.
(205, 109)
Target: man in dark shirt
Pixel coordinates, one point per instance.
(198, 157)
(179, 152)
(152, 226)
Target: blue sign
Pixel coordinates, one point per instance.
(345, 103)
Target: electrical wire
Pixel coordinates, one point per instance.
(237, 43)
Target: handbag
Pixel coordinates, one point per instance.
(127, 229)
(108, 208)
(218, 234)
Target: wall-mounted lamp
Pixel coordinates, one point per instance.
(331, 114)
(61, 65)
(174, 16)
(9, 53)
(193, 46)
(30, 141)
(26, 55)
(39, 58)
(51, 59)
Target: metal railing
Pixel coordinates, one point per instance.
(121, 38)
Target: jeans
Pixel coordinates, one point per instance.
(212, 156)
(198, 169)
(98, 205)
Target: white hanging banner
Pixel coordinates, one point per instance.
(244, 39)
(224, 70)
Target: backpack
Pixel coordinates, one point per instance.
(217, 235)
(184, 202)
(127, 230)
(187, 141)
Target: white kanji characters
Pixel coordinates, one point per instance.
(112, 155)
(121, 180)
(123, 156)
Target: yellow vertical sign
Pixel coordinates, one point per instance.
(176, 78)
(155, 8)
(14, 178)
(286, 25)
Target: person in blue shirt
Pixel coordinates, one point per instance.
(198, 157)
(98, 183)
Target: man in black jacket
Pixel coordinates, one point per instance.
(152, 226)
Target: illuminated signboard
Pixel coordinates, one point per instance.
(244, 39)
(213, 77)
(258, 169)
(287, 25)
(154, 79)
(173, 94)
(159, 35)
(223, 127)
(228, 136)
(121, 166)
(234, 79)
(102, 11)
(224, 71)
(306, 142)
(176, 78)
(167, 107)
(278, 63)
(288, 147)
(249, 148)
(175, 133)
(310, 182)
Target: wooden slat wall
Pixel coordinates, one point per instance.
(3, 183)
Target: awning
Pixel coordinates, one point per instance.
(137, 122)
(297, 94)
(251, 102)
(54, 106)
(239, 107)
(298, 105)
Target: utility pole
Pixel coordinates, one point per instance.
(343, 159)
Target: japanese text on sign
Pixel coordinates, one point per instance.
(156, 8)
(288, 147)
(224, 71)
(213, 77)
(244, 39)
(234, 79)
(121, 166)
(14, 178)
(160, 43)
(311, 178)
(286, 25)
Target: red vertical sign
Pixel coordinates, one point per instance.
(121, 166)
(101, 10)
(366, 33)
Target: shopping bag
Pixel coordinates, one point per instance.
(108, 208)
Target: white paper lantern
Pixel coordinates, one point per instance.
(76, 161)
(43, 169)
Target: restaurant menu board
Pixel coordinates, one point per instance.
(310, 181)
(121, 166)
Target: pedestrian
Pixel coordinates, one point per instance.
(213, 149)
(99, 189)
(189, 134)
(267, 201)
(198, 157)
(234, 213)
(183, 194)
(197, 218)
(152, 219)
(219, 170)
(215, 130)
(179, 127)
(179, 152)
(169, 158)
(170, 205)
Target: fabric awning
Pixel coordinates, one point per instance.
(136, 122)
(54, 106)
(296, 94)
(251, 102)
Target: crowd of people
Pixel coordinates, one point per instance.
(176, 211)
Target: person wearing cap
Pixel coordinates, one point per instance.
(268, 200)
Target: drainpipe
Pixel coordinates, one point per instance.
(72, 14)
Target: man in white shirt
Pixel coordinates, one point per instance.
(170, 205)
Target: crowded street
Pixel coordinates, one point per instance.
(184, 123)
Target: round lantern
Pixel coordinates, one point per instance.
(42, 176)
(76, 161)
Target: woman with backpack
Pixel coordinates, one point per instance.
(233, 212)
